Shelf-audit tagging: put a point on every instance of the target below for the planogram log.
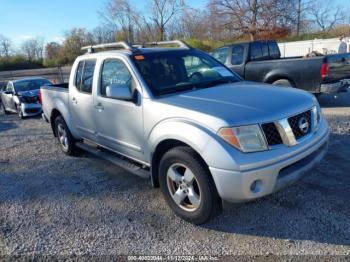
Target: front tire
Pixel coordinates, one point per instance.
(187, 186)
(65, 138)
(20, 112)
(5, 111)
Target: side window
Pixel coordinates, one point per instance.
(221, 54)
(84, 76)
(88, 76)
(265, 49)
(255, 51)
(78, 74)
(237, 55)
(274, 50)
(114, 71)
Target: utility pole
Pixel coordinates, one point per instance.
(298, 16)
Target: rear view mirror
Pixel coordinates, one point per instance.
(119, 91)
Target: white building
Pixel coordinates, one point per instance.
(302, 48)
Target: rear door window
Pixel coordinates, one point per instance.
(78, 74)
(221, 54)
(237, 55)
(265, 49)
(274, 50)
(88, 76)
(85, 75)
(256, 51)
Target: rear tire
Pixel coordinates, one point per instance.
(187, 186)
(65, 138)
(283, 83)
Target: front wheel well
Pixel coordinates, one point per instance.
(54, 114)
(158, 153)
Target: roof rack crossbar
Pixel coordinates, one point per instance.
(180, 43)
(120, 45)
(133, 48)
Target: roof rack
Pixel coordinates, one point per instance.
(180, 43)
(133, 48)
(116, 45)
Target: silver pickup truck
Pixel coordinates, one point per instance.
(184, 120)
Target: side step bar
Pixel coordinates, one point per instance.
(115, 159)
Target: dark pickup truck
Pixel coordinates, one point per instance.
(261, 61)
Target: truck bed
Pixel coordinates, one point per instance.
(303, 73)
(54, 95)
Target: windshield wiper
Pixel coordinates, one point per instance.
(175, 89)
(194, 86)
(212, 83)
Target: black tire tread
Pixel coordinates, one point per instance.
(5, 111)
(73, 149)
(193, 157)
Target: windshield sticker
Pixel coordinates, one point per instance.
(222, 71)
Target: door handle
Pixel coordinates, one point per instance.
(99, 106)
(74, 100)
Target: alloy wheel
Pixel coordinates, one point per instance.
(183, 187)
(62, 136)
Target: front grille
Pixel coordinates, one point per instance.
(271, 133)
(294, 123)
(31, 100)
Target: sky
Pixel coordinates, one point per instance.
(24, 19)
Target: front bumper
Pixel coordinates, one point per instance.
(276, 173)
(337, 87)
(31, 109)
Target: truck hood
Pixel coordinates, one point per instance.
(243, 103)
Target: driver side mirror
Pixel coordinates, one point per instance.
(119, 91)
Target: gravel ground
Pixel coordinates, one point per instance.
(51, 204)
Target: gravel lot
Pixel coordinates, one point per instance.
(51, 204)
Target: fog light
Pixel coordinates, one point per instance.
(256, 186)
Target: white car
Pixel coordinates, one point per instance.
(22, 96)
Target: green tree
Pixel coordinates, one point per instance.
(74, 41)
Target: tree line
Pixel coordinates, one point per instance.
(218, 22)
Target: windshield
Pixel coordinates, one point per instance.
(175, 71)
(32, 84)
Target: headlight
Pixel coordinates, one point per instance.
(244, 138)
(21, 99)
